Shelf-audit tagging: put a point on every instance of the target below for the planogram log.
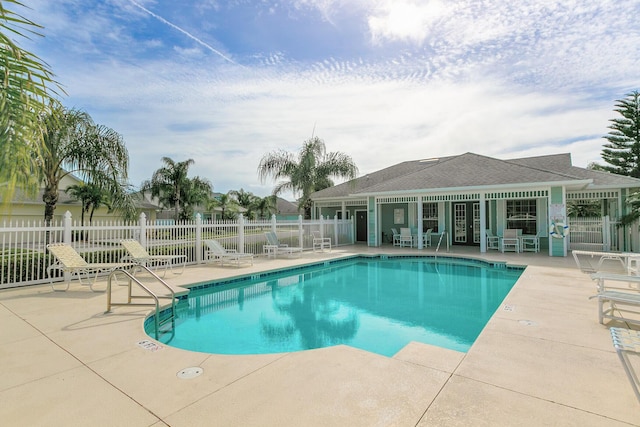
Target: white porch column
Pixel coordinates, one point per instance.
(420, 238)
(483, 222)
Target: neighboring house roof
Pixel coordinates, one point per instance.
(140, 200)
(285, 207)
(471, 170)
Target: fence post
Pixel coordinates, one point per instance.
(606, 234)
(300, 232)
(335, 230)
(66, 238)
(352, 231)
(142, 222)
(321, 225)
(241, 233)
(198, 247)
(273, 223)
(66, 234)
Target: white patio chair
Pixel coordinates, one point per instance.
(396, 237)
(510, 240)
(274, 246)
(426, 238)
(530, 243)
(493, 241)
(320, 242)
(406, 237)
(70, 261)
(216, 252)
(626, 342)
(139, 255)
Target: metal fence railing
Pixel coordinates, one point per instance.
(24, 258)
(594, 234)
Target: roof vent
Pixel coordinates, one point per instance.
(433, 159)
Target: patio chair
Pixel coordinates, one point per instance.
(426, 238)
(68, 260)
(320, 242)
(274, 246)
(493, 241)
(216, 252)
(626, 342)
(510, 240)
(396, 237)
(139, 255)
(406, 237)
(530, 243)
(616, 262)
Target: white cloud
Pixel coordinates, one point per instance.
(503, 79)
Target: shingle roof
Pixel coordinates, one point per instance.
(473, 170)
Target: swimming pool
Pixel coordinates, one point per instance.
(378, 304)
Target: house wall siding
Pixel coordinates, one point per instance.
(557, 247)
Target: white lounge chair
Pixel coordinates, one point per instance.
(620, 293)
(139, 255)
(68, 260)
(216, 252)
(320, 242)
(613, 262)
(274, 246)
(627, 341)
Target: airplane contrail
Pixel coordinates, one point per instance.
(197, 40)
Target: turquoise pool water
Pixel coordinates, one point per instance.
(375, 304)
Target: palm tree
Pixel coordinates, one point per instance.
(24, 93)
(197, 191)
(92, 197)
(245, 199)
(74, 144)
(265, 206)
(174, 189)
(227, 204)
(311, 170)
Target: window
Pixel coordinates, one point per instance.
(522, 214)
(430, 217)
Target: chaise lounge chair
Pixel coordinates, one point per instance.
(139, 255)
(274, 246)
(627, 341)
(614, 262)
(216, 252)
(615, 302)
(70, 261)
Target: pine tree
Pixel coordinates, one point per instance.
(622, 153)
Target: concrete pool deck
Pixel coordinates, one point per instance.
(543, 359)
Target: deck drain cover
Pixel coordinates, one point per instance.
(527, 322)
(188, 373)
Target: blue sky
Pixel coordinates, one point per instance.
(384, 81)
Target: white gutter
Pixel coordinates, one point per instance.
(471, 189)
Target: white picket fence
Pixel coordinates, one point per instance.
(24, 258)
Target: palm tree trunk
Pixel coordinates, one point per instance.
(50, 199)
